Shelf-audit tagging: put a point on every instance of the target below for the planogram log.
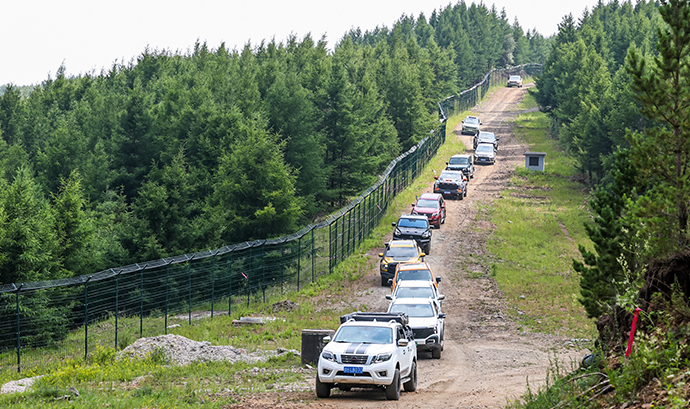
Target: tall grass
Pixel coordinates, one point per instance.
(539, 223)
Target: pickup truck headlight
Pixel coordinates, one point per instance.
(434, 215)
(426, 234)
(328, 356)
(397, 232)
(382, 358)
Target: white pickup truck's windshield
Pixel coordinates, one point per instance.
(413, 310)
(414, 292)
(450, 175)
(364, 334)
(485, 149)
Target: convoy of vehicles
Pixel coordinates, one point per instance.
(377, 349)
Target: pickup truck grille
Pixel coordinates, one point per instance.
(422, 333)
(354, 359)
(447, 186)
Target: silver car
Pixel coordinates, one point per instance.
(515, 81)
(485, 153)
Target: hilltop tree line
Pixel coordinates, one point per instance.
(173, 153)
(617, 86)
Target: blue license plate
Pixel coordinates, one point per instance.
(483, 159)
(446, 193)
(353, 369)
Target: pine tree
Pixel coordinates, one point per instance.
(662, 153)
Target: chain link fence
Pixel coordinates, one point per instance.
(48, 322)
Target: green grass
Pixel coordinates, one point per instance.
(539, 223)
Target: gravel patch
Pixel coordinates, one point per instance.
(181, 351)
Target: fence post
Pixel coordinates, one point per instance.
(117, 301)
(299, 259)
(19, 344)
(141, 300)
(230, 285)
(263, 271)
(213, 282)
(86, 317)
(189, 283)
(167, 291)
(313, 253)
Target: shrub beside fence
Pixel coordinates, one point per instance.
(72, 316)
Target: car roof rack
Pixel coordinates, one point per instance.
(400, 317)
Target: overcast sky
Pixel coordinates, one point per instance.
(37, 36)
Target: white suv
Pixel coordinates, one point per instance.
(369, 350)
(426, 320)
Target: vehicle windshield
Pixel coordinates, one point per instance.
(418, 223)
(463, 160)
(424, 275)
(365, 335)
(485, 149)
(414, 292)
(401, 252)
(487, 137)
(427, 203)
(514, 78)
(471, 120)
(450, 175)
(413, 310)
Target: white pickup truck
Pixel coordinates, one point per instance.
(369, 350)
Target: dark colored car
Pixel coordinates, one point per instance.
(414, 227)
(451, 183)
(432, 206)
(486, 137)
(463, 163)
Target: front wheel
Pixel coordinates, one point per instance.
(436, 353)
(411, 385)
(322, 390)
(393, 390)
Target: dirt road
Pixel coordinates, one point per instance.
(486, 360)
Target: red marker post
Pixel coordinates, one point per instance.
(632, 332)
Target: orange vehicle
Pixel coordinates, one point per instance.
(414, 271)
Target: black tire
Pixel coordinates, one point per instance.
(462, 196)
(436, 353)
(384, 282)
(465, 192)
(411, 385)
(427, 249)
(393, 390)
(322, 390)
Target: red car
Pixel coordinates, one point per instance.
(432, 206)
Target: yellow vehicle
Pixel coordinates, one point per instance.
(414, 271)
(397, 252)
